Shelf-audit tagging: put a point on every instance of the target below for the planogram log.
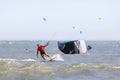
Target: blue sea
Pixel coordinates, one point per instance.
(18, 62)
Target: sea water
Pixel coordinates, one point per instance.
(18, 62)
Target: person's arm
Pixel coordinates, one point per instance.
(46, 44)
(37, 54)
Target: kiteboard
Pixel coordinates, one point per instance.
(55, 57)
(52, 59)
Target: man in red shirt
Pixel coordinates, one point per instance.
(40, 49)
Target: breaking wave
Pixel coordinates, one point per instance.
(30, 69)
(29, 66)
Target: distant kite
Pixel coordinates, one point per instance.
(99, 18)
(73, 27)
(44, 18)
(81, 31)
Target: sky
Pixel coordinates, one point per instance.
(59, 19)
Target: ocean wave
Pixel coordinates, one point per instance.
(97, 66)
(24, 68)
(13, 60)
(34, 70)
(29, 66)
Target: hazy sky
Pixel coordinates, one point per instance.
(23, 19)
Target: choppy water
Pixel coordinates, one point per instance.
(18, 62)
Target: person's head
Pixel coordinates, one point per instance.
(38, 45)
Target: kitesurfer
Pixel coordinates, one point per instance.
(89, 47)
(40, 48)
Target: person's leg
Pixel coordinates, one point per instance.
(47, 55)
(43, 56)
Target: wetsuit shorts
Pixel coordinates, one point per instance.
(42, 52)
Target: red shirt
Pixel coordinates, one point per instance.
(40, 48)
